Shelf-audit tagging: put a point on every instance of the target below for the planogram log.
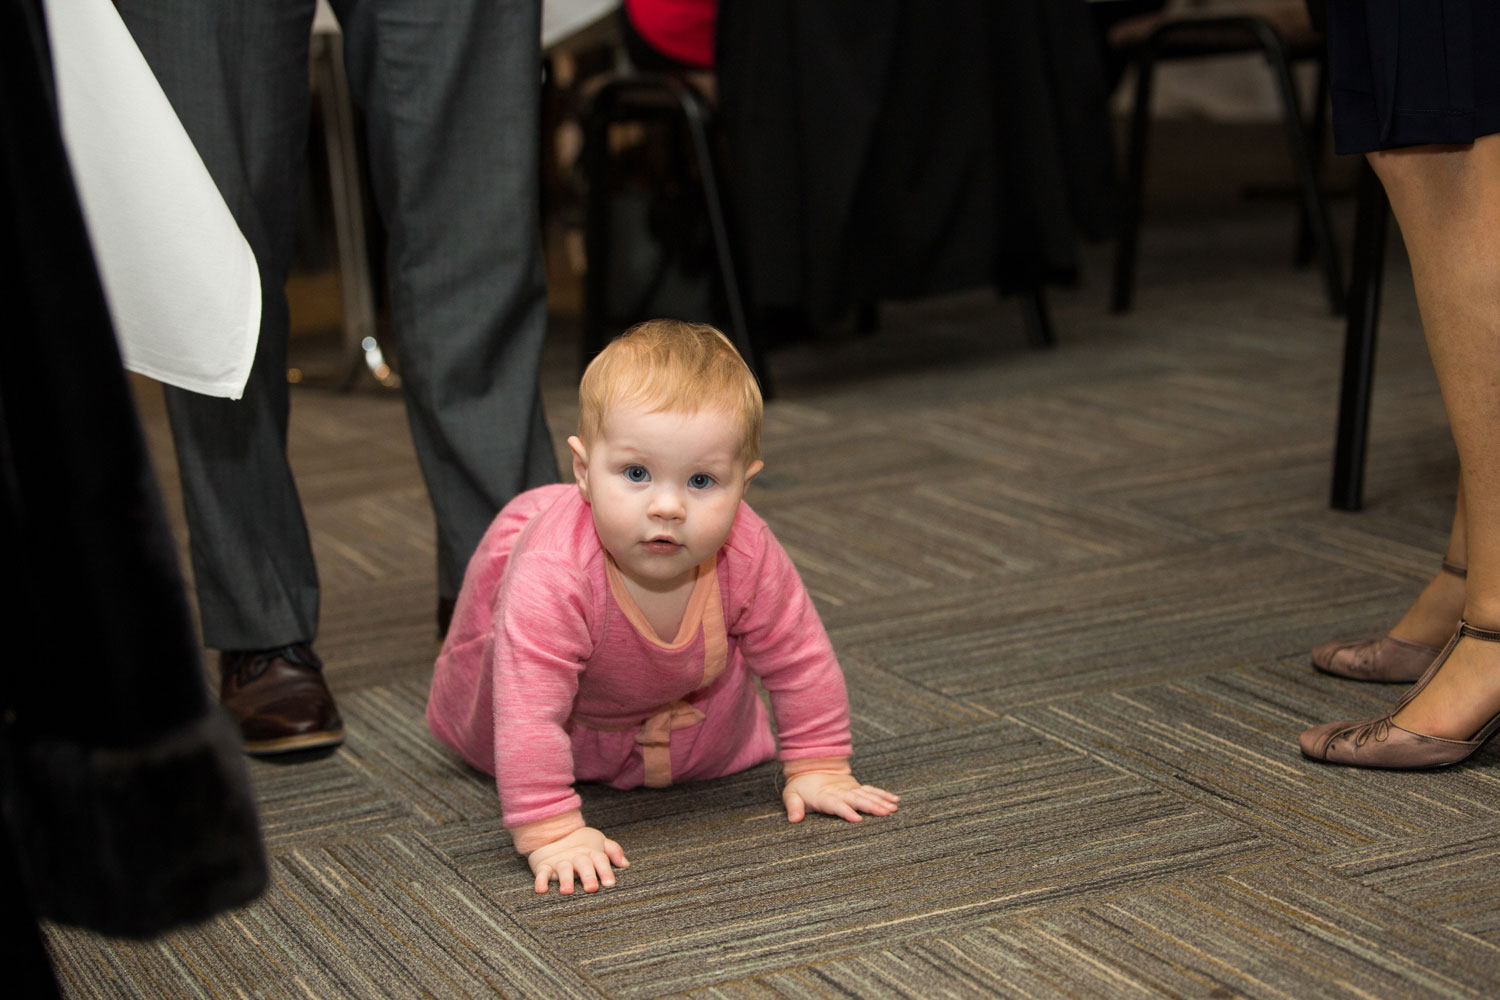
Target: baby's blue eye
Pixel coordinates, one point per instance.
(637, 474)
(700, 481)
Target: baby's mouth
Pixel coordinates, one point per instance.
(662, 544)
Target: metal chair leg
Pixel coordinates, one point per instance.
(1314, 208)
(596, 225)
(1130, 230)
(1317, 138)
(346, 190)
(713, 201)
(609, 107)
(1036, 317)
(1359, 343)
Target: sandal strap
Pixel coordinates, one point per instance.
(1485, 634)
(1464, 628)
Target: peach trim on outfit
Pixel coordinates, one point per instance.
(705, 610)
(691, 615)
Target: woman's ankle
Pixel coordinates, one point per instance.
(1435, 613)
(1461, 697)
(1482, 614)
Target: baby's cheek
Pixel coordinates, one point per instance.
(726, 517)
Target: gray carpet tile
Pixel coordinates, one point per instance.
(862, 454)
(1266, 931)
(386, 916)
(387, 742)
(1103, 625)
(1257, 483)
(1269, 931)
(1449, 876)
(1046, 526)
(1073, 591)
(1227, 740)
(362, 539)
(349, 445)
(900, 552)
(1393, 549)
(381, 632)
(1151, 416)
(932, 531)
(882, 704)
(317, 796)
(995, 821)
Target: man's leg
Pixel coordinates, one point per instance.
(236, 74)
(450, 93)
(236, 71)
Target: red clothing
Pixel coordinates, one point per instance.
(551, 675)
(680, 29)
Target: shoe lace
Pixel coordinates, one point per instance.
(248, 664)
(1380, 729)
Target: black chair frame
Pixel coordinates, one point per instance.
(652, 98)
(1352, 437)
(1315, 229)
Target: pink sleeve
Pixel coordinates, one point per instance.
(542, 640)
(785, 645)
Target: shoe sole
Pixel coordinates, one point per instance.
(1387, 767)
(288, 744)
(1364, 680)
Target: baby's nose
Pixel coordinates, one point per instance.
(667, 503)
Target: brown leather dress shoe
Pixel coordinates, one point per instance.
(1379, 742)
(279, 698)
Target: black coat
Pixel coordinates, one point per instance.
(123, 791)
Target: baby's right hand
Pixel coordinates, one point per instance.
(586, 854)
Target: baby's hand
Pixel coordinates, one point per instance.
(586, 854)
(836, 794)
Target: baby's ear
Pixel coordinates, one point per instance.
(753, 470)
(580, 465)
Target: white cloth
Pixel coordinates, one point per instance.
(180, 279)
(563, 19)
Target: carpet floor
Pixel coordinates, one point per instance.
(1073, 591)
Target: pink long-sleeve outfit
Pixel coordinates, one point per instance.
(552, 675)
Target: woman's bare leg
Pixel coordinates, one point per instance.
(1431, 618)
(1447, 202)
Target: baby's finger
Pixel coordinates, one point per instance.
(601, 866)
(565, 877)
(842, 807)
(616, 854)
(586, 875)
(881, 792)
(543, 877)
(795, 808)
(873, 804)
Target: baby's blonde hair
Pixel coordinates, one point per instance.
(666, 364)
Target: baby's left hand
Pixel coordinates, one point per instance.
(835, 794)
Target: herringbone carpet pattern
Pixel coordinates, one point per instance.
(1073, 591)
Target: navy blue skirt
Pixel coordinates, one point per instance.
(1413, 72)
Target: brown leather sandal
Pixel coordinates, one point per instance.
(1379, 742)
(1385, 659)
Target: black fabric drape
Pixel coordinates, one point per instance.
(896, 148)
(122, 788)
